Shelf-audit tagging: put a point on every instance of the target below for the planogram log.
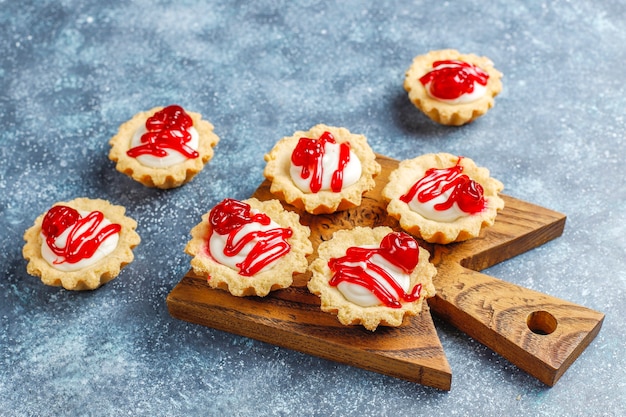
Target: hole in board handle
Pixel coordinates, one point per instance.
(541, 322)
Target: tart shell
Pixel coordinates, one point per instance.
(348, 313)
(449, 113)
(279, 276)
(411, 170)
(164, 178)
(91, 277)
(324, 202)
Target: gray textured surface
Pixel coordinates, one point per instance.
(72, 71)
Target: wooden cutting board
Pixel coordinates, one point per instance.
(538, 333)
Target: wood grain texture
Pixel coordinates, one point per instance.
(539, 333)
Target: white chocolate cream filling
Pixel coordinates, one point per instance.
(217, 243)
(173, 157)
(361, 296)
(479, 91)
(105, 248)
(330, 163)
(428, 210)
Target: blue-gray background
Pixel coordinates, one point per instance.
(72, 71)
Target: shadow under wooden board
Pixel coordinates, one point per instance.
(538, 333)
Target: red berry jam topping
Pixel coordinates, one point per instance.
(465, 192)
(451, 79)
(356, 267)
(166, 129)
(309, 154)
(229, 218)
(84, 234)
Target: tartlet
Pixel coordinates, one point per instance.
(442, 198)
(80, 244)
(452, 88)
(396, 281)
(249, 247)
(164, 147)
(323, 170)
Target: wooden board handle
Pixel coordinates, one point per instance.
(540, 334)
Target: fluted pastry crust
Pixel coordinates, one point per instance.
(280, 275)
(411, 170)
(167, 177)
(93, 276)
(449, 113)
(348, 313)
(324, 202)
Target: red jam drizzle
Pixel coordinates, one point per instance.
(82, 239)
(229, 216)
(467, 193)
(397, 248)
(166, 129)
(450, 79)
(309, 154)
